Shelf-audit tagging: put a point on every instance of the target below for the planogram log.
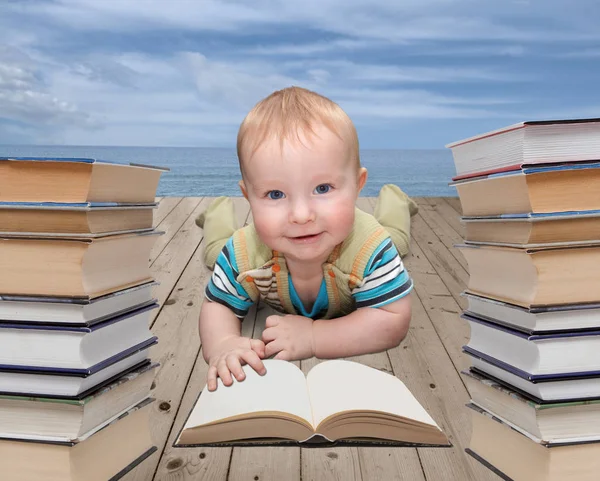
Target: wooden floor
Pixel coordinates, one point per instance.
(428, 361)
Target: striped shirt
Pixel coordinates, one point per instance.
(385, 280)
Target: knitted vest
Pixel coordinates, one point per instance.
(264, 274)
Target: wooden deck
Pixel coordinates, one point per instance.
(428, 361)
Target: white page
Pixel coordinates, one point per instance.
(282, 388)
(340, 385)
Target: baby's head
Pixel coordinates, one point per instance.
(301, 173)
(289, 115)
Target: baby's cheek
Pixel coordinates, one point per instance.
(343, 217)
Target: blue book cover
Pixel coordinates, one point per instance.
(77, 205)
(58, 371)
(534, 216)
(141, 366)
(534, 378)
(528, 169)
(74, 328)
(74, 300)
(529, 335)
(80, 160)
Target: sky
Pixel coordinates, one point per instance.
(412, 74)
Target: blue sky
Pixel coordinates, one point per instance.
(410, 73)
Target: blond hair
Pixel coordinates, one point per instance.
(287, 112)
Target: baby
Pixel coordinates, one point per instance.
(333, 271)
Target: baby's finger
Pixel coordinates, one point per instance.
(235, 367)
(224, 373)
(269, 335)
(211, 378)
(258, 347)
(272, 348)
(284, 355)
(252, 359)
(272, 321)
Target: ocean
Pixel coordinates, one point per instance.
(197, 171)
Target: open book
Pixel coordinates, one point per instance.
(338, 402)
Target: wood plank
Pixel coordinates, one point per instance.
(265, 463)
(165, 206)
(448, 213)
(422, 362)
(445, 233)
(453, 274)
(171, 224)
(361, 463)
(171, 262)
(210, 464)
(432, 344)
(455, 203)
(178, 354)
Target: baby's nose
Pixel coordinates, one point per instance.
(301, 213)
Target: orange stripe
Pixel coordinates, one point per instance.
(367, 247)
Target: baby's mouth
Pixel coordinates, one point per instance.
(305, 238)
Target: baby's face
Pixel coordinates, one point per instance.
(302, 196)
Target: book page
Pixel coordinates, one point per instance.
(282, 388)
(338, 385)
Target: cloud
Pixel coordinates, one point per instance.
(238, 85)
(312, 48)
(386, 20)
(25, 97)
(580, 54)
(183, 72)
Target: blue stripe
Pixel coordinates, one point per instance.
(227, 262)
(388, 297)
(215, 293)
(378, 254)
(392, 284)
(390, 291)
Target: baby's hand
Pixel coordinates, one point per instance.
(229, 357)
(290, 337)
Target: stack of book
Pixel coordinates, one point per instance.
(75, 304)
(530, 195)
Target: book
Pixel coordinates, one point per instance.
(69, 418)
(537, 354)
(104, 455)
(85, 268)
(539, 189)
(71, 347)
(75, 180)
(84, 219)
(49, 381)
(75, 311)
(544, 319)
(513, 455)
(527, 143)
(533, 230)
(551, 422)
(331, 405)
(528, 277)
(557, 387)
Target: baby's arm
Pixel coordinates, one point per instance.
(373, 327)
(223, 347)
(364, 331)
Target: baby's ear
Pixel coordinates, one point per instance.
(362, 178)
(243, 188)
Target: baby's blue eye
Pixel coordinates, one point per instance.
(275, 194)
(322, 188)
